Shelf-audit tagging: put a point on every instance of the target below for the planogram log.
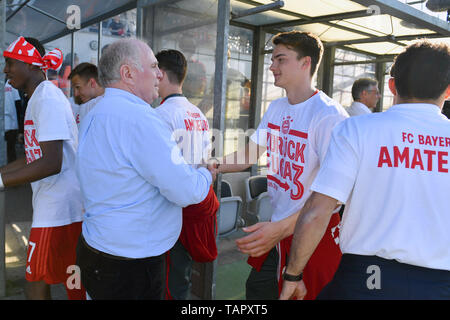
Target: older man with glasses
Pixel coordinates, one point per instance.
(365, 94)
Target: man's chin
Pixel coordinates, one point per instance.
(277, 84)
(14, 85)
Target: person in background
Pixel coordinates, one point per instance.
(190, 128)
(86, 89)
(294, 132)
(133, 179)
(51, 140)
(395, 241)
(365, 95)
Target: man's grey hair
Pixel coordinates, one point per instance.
(124, 51)
(360, 85)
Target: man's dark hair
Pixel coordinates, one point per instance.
(422, 71)
(360, 85)
(35, 43)
(174, 64)
(85, 71)
(304, 43)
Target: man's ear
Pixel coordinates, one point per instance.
(163, 74)
(92, 83)
(307, 61)
(392, 87)
(447, 93)
(127, 74)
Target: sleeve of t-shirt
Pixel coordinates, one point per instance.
(338, 171)
(50, 120)
(159, 161)
(322, 133)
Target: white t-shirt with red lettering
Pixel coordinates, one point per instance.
(296, 138)
(57, 198)
(392, 171)
(81, 110)
(190, 129)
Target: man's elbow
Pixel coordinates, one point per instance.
(54, 167)
(319, 206)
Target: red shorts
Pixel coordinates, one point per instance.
(50, 252)
(321, 266)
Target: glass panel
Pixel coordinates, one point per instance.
(269, 93)
(388, 97)
(88, 8)
(267, 17)
(328, 33)
(386, 25)
(86, 45)
(33, 24)
(190, 27)
(60, 77)
(238, 87)
(120, 26)
(314, 8)
(345, 75)
(346, 23)
(379, 48)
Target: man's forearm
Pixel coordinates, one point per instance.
(15, 165)
(34, 171)
(242, 159)
(309, 230)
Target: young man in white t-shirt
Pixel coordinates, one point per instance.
(190, 130)
(294, 132)
(86, 89)
(391, 169)
(50, 135)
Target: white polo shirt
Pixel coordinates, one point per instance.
(190, 129)
(392, 171)
(296, 138)
(81, 110)
(357, 109)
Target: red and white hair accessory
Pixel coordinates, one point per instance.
(24, 51)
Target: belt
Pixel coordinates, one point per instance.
(101, 253)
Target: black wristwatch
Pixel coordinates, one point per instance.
(292, 278)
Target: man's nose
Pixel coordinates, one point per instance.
(159, 74)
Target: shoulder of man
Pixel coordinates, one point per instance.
(324, 105)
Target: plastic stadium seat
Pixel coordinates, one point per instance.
(258, 200)
(229, 211)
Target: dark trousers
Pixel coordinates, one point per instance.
(371, 277)
(109, 277)
(180, 272)
(263, 284)
(11, 138)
